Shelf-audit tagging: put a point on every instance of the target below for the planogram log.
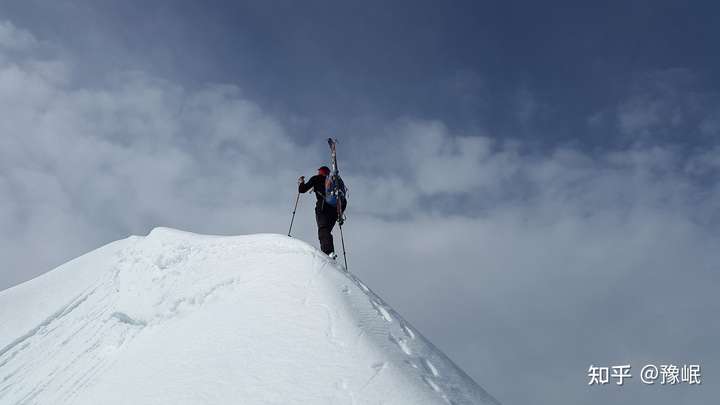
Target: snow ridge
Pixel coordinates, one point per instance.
(181, 318)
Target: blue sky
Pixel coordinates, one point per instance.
(535, 187)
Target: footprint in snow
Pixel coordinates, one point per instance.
(408, 331)
(429, 381)
(411, 364)
(430, 367)
(382, 311)
(402, 344)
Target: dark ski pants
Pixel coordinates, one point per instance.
(326, 216)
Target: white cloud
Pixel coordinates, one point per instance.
(13, 38)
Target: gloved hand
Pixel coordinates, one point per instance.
(301, 180)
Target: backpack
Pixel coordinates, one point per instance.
(335, 190)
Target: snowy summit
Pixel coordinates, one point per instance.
(178, 318)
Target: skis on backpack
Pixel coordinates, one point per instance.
(338, 188)
(333, 155)
(338, 192)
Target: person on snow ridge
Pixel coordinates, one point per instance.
(326, 210)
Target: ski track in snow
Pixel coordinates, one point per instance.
(20, 360)
(378, 367)
(144, 291)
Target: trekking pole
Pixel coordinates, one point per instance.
(293, 215)
(342, 239)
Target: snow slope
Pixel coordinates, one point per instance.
(179, 318)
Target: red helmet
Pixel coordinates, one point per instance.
(324, 170)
